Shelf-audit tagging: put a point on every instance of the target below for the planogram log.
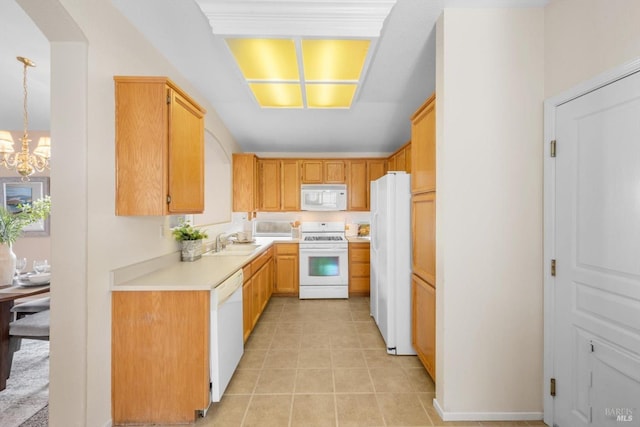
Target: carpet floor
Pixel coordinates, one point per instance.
(27, 390)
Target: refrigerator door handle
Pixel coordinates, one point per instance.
(374, 229)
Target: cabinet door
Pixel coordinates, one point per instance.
(269, 187)
(244, 182)
(423, 147)
(335, 172)
(186, 156)
(359, 269)
(290, 185)
(376, 169)
(159, 148)
(357, 186)
(286, 281)
(423, 227)
(391, 163)
(400, 161)
(247, 308)
(311, 172)
(141, 123)
(256, 304)
(424, 323)
(159, 367)
(270, 279)
(407, 158)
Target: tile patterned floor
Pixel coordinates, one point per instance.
(323, 363)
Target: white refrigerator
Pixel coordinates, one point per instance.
(391, 260)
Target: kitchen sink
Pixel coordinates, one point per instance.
(236, 250)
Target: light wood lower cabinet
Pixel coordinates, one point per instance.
(424, 323)
(257, 289)
(286, 269)
(247, 306)
(359, 269)
(159, 356)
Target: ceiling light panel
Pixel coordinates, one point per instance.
(326, 95)
(265, 59)
(334, 60)
(277, 95)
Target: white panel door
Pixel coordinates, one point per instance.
(597, 240)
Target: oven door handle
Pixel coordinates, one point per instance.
(304, 250)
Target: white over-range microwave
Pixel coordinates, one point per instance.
(323, 197)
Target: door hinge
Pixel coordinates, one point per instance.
(168, 97)
(553, 148)
(552, 387)
(168, 198)
(553, 267)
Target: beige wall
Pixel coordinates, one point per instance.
(489, 87)
(584, 38)
(91, 241)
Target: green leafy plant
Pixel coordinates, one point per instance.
(186, 231)
(12, 223)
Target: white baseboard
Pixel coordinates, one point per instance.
(486, 416)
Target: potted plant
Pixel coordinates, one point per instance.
(190, 239)
(11, 226)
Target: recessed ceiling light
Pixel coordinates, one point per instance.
(334, 60)
(276, 70)
(330, 95)
(277, 95)
(265, 59)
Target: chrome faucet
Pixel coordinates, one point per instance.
(222, 240)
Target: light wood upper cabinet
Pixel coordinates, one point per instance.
(407, 158)
(323, 171)
(358, 186)
(400, 160)
(244, 182)
(376, 168)
(269, 185)
(401, 164)
(335, 171)
(290, 185)
(312, 172)
(159, 148)
(423, 146)
(278, 185)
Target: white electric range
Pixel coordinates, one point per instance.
(324, 261)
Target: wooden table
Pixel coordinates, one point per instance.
(8, 294)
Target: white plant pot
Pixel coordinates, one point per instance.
(7, 264)
(191, 250)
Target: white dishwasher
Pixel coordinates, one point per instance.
(227, 341)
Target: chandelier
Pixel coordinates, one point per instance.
(25, 162)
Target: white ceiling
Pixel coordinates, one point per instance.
(400, 77)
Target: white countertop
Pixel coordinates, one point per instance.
(203, 274)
